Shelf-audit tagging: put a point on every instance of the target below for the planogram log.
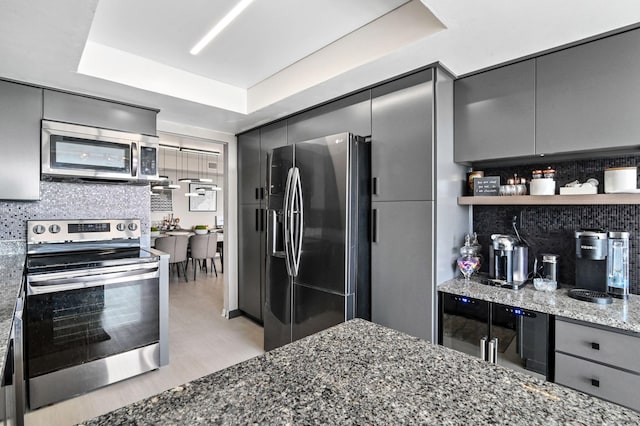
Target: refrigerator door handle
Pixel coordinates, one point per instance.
(287, 222)
(299, 212)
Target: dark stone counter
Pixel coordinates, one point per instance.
(362, 373)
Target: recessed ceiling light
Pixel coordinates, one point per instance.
(217, 29)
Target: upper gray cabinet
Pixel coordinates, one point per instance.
(401, 139)
(351, 114)
(495, 113)
(70, 108)
(20, 115)
(249, 175)
(588, 97)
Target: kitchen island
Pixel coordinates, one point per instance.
(362, 373)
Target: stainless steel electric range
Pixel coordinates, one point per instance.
(96, 307)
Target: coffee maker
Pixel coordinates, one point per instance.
(591, 260)
(508, 262)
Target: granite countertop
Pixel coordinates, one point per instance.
(362, 373)
(11, 268)
(624, 315)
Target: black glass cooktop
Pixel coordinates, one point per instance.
(87, 259)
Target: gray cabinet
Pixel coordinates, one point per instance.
(599, 361)
(495, 113)
(588, 97)
(20, 115)
(250, 260)
(401, 139)
(351, 114)
(253, 148)
(249, 176)
(401, 266)
(70, 108)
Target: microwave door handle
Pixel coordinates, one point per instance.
(134, 159)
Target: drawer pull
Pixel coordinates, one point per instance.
(595, 382)
(595, 346)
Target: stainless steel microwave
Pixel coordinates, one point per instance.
(79, 152)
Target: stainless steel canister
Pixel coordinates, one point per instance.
(550, 266)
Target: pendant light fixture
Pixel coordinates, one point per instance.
(213, 187)
(164, 184)
(194, 179)
(190, 180)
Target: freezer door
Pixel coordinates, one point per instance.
(316, 310)
(279, 295)
(323, 165)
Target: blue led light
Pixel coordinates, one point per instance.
(517, 312)
(465, 300)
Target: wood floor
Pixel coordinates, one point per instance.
(201, 342)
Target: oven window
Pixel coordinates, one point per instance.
(69, 328)
(84, 154)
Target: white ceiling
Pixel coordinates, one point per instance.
(260, 63)
(267, 37)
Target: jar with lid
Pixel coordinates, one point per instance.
(549, 173)
(469, 260)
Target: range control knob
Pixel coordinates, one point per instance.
(121, 227)
(54, 229)
(133, 227)
(39, 229)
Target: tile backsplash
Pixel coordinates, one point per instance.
(64, 200)
(550, 229)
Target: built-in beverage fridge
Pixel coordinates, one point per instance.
(506, 335)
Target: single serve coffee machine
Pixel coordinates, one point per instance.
(508, 262)
(602, 266)
(591, 260)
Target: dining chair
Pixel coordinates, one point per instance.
(212, 248)
(199, 250)
(176, 248)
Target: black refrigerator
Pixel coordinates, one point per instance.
(318, 237)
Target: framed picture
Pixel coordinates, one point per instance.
(203, 203)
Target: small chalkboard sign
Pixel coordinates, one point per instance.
(488, 185)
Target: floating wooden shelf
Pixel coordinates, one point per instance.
(550, 200)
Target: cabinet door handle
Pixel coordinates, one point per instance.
(595, 382)
(595, 346)
(374, 225)
(262, 213)
(374, 186)
(493, 350)
(257, 220)
(257, 194)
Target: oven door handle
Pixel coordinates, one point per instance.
(97, 272)
(76, 283)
